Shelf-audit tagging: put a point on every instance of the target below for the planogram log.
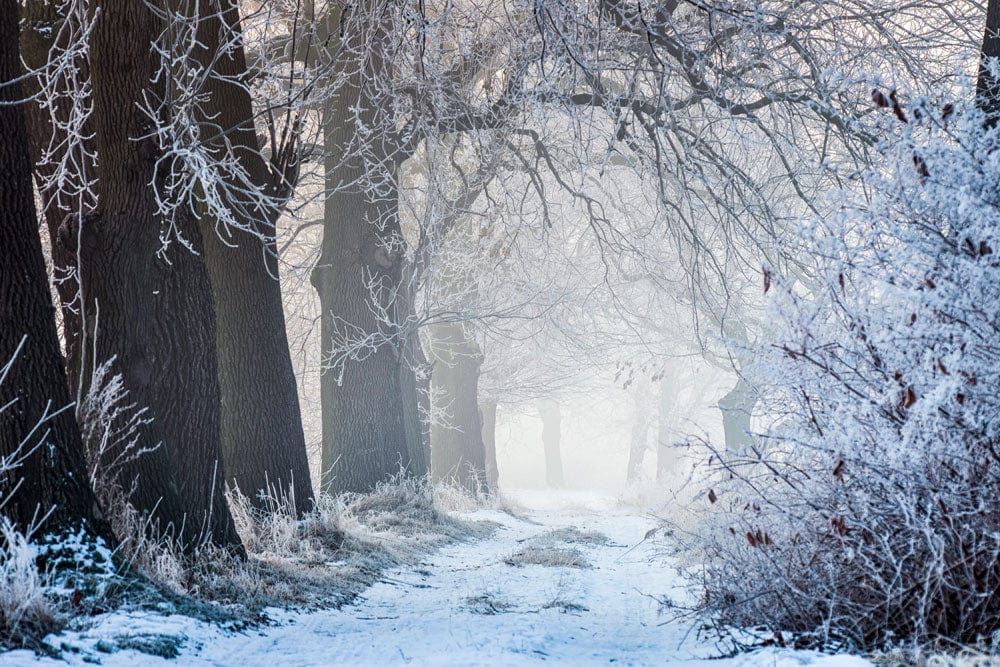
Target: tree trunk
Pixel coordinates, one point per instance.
(637, 447)
(37, 424)
(665, 459)
(415, 385)
(736, 408)
(488, 416)
(155, 318)
(263, 444)
(987, 86)
(365, 434)
(457, 450)
(549, 411)
(43, 31)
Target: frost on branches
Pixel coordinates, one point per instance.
(871, 514)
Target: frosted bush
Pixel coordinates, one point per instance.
(870, 515)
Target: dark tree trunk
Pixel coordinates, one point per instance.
(364, 420)
(457, 450)
(551, 418)
(51, 480)
(488, 415)
(987, 85)
(156, 318)
(367, 397)
(416, 404)
(263, 444)
(42, 23)
(736, 408)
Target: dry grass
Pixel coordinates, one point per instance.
(547, 556)
(27, 612)
(325, 558)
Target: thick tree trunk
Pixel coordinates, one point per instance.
(37, 423)
(415, 385)
(367, 395)
(551, 418)
(156, 318)
(457, 450)
(364, 421)
(736, 408)
(263, 444)
(488, 416)
(42, 29)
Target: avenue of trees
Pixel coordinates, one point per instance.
(501, 203)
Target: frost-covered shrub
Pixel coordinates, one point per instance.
(26, 612)
(871, 513)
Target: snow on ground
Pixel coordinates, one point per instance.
(565, 579)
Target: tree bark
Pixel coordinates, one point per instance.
(665, 458)
(263, 444)
(637, 446)
(366, 402)
(457, 451)
(736, 408)
(551, 418)
(155, 318)
(36, 421)
(987, 85)
(42, 31)
(488, 416)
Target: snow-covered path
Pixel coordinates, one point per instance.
(474, 603)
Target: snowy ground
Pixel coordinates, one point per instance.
(466, 605)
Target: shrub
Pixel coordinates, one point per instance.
(870, 514)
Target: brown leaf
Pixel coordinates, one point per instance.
(879, 99)
(960, 398)
(838, 470)
(750, 539)
(909, 398)
(767, 280)
(711, 496)
(77, 598)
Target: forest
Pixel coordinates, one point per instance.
(488, 332)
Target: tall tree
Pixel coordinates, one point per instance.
(360, 268)
(551, 435)
(37, 423)
(458, 453)
(262, 440)
(488, 417)
(148, 291)
(62, 149)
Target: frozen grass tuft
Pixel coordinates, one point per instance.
(453, 497)
(26, 611)
(325, 558)
(547, 556)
